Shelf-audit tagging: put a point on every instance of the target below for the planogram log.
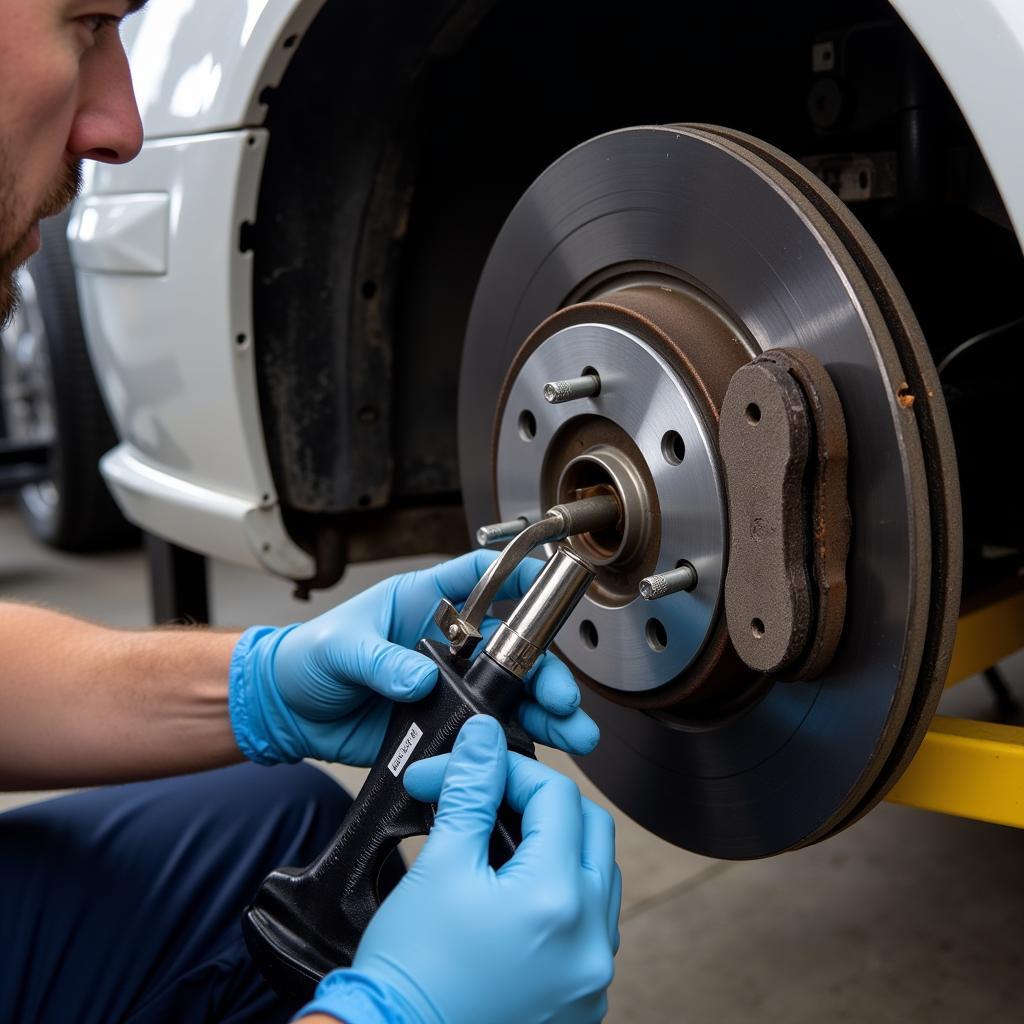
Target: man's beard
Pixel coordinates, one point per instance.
(59, 198)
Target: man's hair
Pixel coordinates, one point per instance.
(9, 296)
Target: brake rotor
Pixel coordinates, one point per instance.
(663, 259)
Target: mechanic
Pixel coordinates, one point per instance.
(122, 903)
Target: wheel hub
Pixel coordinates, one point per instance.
(667, 476)
(648, 438)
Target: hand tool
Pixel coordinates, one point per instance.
(303, 923)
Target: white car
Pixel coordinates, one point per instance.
(324, 301)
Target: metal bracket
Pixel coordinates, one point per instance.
(970, 769)
(967, 768)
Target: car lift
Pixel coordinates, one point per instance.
(967, 768)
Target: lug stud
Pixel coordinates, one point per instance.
(498, 533)
(683, 577)
(558, 391)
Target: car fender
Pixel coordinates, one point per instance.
(220, 58)
(165, 290)
(978, 48)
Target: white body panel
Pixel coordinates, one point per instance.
(122, 234)
(163, 325)
(978, 48)
(224, 53)
(173, 351)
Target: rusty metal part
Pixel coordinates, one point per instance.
(765, 438)
(376, 533)
(784, 446)
(587, 514)
(828, 506)
(462, 628)
(797, 761)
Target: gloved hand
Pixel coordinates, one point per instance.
(459, 943)
(324, 688)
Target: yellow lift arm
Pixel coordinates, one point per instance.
(973, 769)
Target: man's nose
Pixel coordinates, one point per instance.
(107, 125)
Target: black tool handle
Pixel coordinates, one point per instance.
(304, 923)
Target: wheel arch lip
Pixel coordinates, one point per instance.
(978, 49)
(200, 518)
(211, 77)
(173, 351)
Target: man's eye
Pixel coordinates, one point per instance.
(95, 22)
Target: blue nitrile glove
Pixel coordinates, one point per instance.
(457, 942)
(324, 688)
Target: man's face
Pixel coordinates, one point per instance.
(65, 96)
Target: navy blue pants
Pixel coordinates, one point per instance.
(123, 904)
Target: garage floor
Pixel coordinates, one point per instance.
(907, 916)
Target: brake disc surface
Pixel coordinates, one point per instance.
(794, 761)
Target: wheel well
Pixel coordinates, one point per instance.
(401, 138)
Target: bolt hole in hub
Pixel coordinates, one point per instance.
(657, 635)
(527, 425)
(588, 635)
(672, 448)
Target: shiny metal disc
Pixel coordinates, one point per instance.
(798, 761)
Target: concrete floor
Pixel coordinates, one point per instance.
(907, 916)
